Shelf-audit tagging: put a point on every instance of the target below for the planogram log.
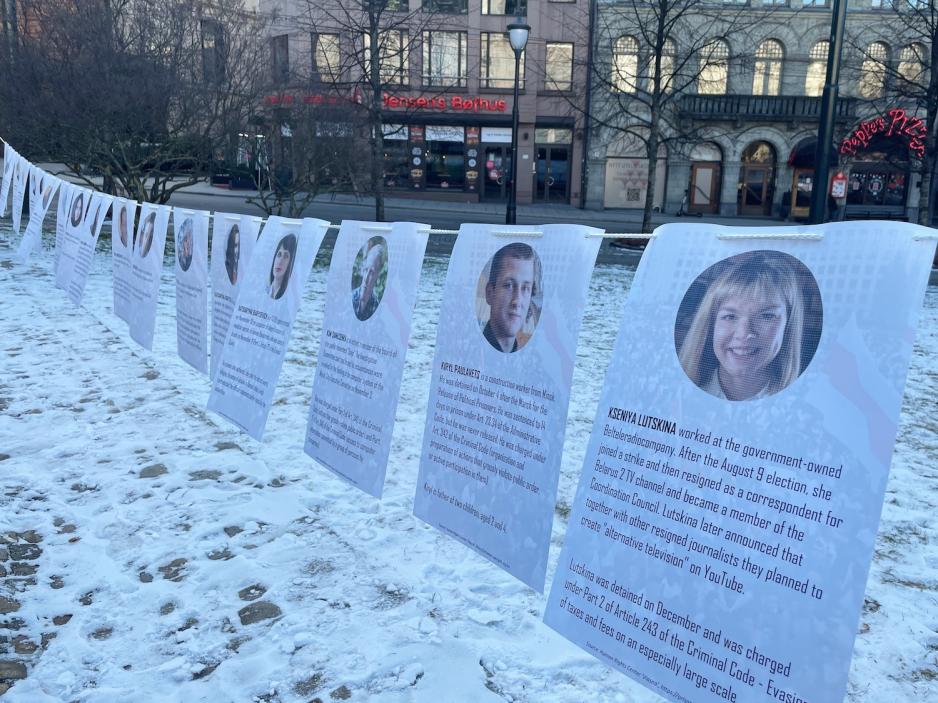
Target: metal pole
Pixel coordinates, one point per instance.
(511, 211)
(828, 110)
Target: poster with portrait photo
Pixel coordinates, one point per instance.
(10, 157)
(720, 538)
(42, 189)
(190, 230)
(123, 216)
(61, 222)
(81, 241)
(269, 298)
(370, 296)
(146, 265)
(20, 178)
(233, 241)
(500, 388)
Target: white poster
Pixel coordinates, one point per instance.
(721, 535)
(268, 299)
(123, 213)
(20, 177)
(370, 300)
(42, 188)
(10, 157)
(63, 205)
(500, 387)
(233, 239)
(146, 265)
(190, 233)
(85, 213)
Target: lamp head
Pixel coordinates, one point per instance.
(518, 35)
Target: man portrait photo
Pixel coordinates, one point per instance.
(512, 296)
(369, 277)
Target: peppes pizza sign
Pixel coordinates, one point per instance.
(895, 123)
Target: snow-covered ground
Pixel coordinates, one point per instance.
(160, 531)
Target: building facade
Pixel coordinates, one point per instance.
(447, 74)
(745, 125)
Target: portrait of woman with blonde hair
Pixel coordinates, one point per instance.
(745, 340)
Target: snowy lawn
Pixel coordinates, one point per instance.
(154, 553)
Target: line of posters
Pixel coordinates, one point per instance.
(719, 541)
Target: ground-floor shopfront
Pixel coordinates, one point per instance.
(470, 161)
(764, 171)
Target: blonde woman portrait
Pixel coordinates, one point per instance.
(754, 325)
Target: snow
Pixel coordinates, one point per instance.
(369, 603)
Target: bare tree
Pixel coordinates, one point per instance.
(895, 64)
(364, 52)
(646, 57)
(139, 92)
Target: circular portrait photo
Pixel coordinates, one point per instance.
(749, 325)
(509, 297)
(184, 244)
(78, 209)
(94, 221)
(369, 277)
(281, 267)
(122, 225)
(233, 253)
(145, 238)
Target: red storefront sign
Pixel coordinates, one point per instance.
(895, 123)
(455, 103)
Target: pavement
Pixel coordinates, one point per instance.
(449, 215)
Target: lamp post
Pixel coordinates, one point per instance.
(518, 38)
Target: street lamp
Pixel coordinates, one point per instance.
(518, 38)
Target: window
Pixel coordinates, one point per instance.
(280, 58)
(558, 73)
(498, 62)
(381, 6)
(446, 7)
(873, 71)
(213, 52)
(326, 57)
(767, 78)
(518, 8)
(881, 4)
(912, 63)
(444, 59)
(668, 54)
(392, 56)
(817, 69)
(625, 65)
(815, 3)
(713, 68)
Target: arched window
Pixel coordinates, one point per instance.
(817, 69)
(625, 65)
(767, 78)
(668, 54)
(714, 68)
(873, 71)
(912, 63)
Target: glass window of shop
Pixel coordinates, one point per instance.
(445, 158)
(393, 51)
(397, 156)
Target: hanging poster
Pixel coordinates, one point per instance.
(42, 188)
(500, 387)
(269, 297)
(61, 222)
(20, 177)
(233, 238)
(10, 157)
(370, 300)
(721, 535)
(123, 213)
(146, 265)
(190, 230)
(82, 238)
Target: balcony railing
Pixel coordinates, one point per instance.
(765, 108)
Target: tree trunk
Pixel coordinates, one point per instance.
(651, 151)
